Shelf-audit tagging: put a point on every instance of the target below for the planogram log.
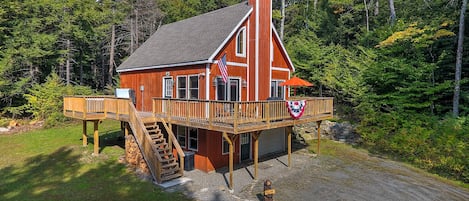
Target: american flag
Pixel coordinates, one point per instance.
(223, 68)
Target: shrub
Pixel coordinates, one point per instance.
(45, 101)
(440, 146)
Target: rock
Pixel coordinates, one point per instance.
(33, 122)
(3, 129)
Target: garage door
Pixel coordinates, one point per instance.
(272, 141)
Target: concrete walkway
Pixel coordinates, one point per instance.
(214, 186)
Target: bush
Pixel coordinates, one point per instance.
(440, 146)
(45, 101)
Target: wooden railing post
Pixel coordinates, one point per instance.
(187, 112)
(267, 113)
(85, 108)
(153, 105)
(211, 114)
(235, 116)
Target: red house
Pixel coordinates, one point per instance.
(177, 78)
(180, 61)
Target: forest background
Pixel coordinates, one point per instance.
(391, 65)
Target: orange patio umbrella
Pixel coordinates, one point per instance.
(296, 82)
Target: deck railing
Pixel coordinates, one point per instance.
(96, 107)
(233, 117)
(211, 114)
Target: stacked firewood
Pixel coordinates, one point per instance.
(133, 156)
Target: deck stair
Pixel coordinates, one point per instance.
(157, 146)
(169, 165)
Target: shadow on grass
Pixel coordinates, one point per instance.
(62, 175)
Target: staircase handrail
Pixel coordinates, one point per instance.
(173, 138)
(144, 141)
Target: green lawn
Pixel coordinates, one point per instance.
(52, 164)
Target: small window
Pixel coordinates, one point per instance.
(276, 90)
(221, 89)
(225, 147)
(181, 136)
(193, 137)
(194, 87)
(241, 43)
(182, 89)
(168, 87)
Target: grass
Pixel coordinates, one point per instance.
(52, 164)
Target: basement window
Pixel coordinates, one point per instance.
(193, 139)
(181, 136)
(225, 147)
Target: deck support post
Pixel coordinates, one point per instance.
(256, 152)
(230, 139)
(289, 131)
(96, 138)
(85, 135)
(126, 129)
(319, 134)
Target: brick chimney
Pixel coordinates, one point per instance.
(260, 37)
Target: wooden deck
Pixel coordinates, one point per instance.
(230, 117)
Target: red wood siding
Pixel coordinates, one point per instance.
(152, 80)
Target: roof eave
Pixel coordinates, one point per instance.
(163, 66)
(283, 48)
(212, 57)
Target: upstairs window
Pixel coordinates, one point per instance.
(188, 87)
(276, 90)
(241, 43)
(181, 86)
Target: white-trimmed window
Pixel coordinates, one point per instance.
(193, 87)
(241, 43)
(276, 90)
(193, 135)
(167, 87)
(182, 87)
(225, 146)
(181, 135)
(188, 87)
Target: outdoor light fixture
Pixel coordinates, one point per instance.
(244, 83)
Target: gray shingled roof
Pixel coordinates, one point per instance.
(194, 39)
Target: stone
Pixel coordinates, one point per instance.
(3, 129)
(13, 124)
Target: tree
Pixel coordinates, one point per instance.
(457, 75)
(392, 10)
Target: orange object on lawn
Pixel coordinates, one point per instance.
(296, 82)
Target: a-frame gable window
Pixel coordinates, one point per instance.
(241, 43)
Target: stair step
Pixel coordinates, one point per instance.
(164, 144)
(158, 140)
(156, 136)
(169, 162)
(170, 170)
(166, 166)
(166, 149)
(172, 176)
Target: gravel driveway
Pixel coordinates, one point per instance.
(346, 175)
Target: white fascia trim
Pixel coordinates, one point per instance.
(164, 66)
(207, 81)
(283, 47)
(236, 64)
(256, 98)
(280, 69)
(248, 52)
(229, 36)
(271, 50)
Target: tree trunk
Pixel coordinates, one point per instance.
(282, 21)
(367, 17)
(315, 4)
(376, 8)
(392, 10)
(67, 74)
(111, 54)
(457, 74)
